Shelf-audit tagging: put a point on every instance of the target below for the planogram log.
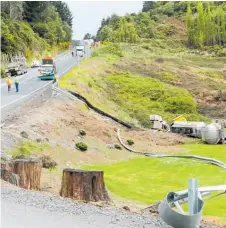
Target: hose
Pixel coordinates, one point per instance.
(154, 155)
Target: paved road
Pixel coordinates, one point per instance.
(30, 83)
(15, 215)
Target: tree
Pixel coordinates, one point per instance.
(13, 9)
(87, 36)
(64, 11)
(200, 25)
(190, 25)
(33, 9)
(105, 33)
(147, 5)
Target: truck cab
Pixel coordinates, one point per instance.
(80, 50)
(47, 69)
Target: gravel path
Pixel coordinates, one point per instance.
(82, 212)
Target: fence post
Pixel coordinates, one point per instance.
(193, 196)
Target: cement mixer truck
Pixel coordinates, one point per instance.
(213, 133)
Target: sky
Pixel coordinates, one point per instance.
(88, 14)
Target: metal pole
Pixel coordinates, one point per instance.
(86, 52)
(78, 59)
(193, 196)
(222, 132)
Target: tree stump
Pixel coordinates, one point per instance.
(29, 172)
(83, 185)
(7, 173)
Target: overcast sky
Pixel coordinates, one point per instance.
(88, 14)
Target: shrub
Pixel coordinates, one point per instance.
(81, 146)
(82, 132)
(47, 161)
(113, 49)
(118, 147)
(3, 73)
(141, 96)
(130, 142)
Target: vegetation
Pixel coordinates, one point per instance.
(208, 27)
(81, 146)
(34, 28)
(82, 132)
(130, 142)
(118, 147)
(149, 96)
(28, 148)
(111, 49)
(138, 84)
(205, 22)
(149, 179)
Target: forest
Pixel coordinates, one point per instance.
(34, 27)
(205, 23)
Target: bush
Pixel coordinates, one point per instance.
(82, 132)
(3, 73)
(47, 161)
(141, 96)
(118, 147)
(81, 146)
(113, 49)
(130, 142)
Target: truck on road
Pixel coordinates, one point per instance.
(80, 51)
(16, 65)
(48, 69)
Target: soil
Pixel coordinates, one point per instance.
(58, 122)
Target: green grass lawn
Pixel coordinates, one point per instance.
(149, 179)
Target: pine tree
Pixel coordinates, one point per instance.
(200, 31)
(190, 25)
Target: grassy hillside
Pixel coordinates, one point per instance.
(156, 77)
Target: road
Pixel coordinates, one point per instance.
(15, 215)
(30, 83)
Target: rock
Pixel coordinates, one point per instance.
(46, 139)
(110, 146)
(47, 161)
(126, 208)
(153, 209)
(10, 177)
(7, 165)
(24, 134)
(38, 140)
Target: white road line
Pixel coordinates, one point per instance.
(25, 95)
(34, 90)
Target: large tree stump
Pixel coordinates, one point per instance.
(7, 174)
(29, 172)
(83, 185)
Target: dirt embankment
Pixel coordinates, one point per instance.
(58, 122)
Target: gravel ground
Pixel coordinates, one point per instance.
(98, 216)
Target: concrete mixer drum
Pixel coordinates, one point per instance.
(211, 134)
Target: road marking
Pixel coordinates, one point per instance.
(25, 95)
(35, 90)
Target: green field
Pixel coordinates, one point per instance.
(149, 179)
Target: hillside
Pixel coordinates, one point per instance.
(159, 61)
(170, 84)
(131, 179)
(152, 74)
(35, 28)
